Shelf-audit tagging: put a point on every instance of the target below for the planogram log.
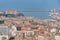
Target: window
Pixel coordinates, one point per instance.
(18, 28)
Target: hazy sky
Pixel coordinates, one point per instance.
(30, 5)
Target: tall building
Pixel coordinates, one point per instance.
(10, 13)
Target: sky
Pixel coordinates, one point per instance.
(30, 5)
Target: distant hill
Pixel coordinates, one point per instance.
(20, 14)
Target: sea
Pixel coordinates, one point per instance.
(40, 15)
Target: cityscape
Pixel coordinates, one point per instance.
(14, 25)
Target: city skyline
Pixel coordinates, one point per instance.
(31, 5)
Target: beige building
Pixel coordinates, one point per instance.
(10, 11)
